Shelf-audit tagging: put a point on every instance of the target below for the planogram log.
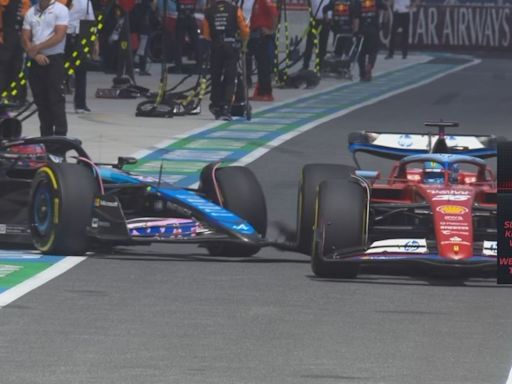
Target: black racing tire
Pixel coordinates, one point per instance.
(241, 194)
(61, 202)
(312, 175)
(340, 222)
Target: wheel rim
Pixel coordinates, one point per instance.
(43, 210)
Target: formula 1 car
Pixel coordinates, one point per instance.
(54, 196)
(436, 209)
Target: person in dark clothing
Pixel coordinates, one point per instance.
(341, 25)
(263, 24)
(185, 25)
(224, 25)
(318, 28)
(365, 18)
(11, 51)
(43, 37)
(140, 24)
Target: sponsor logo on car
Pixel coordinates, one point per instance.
(3, 229)
(411, 246)
(448, 192)
(451, 198)
(455, 242)
(405, 141)
(452, 209)
(103, 203)
(453, 218)
(449, 232)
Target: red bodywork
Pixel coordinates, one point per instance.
(451, 203)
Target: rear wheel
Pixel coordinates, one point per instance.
(240, 193)
(61, 202)
(312, 175)
(340, 223)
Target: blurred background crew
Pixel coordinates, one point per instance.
(318, 28)
(263, 24)
(341, 25)
(80, 10)
(224, 24)
(140, 24)
(11, 51)
(186, 25)
(43, 37)
(365, 22)
(401, 20)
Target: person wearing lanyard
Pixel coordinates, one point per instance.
(79, 10)
(225, 26)
(43, 38)
(401, 19)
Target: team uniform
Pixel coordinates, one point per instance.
(80, 10)
(341, 25)
(224, 24)
(46, 80)
(185, 25)
(262, 44)
(366, 11)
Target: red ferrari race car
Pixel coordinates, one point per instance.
(436, 209)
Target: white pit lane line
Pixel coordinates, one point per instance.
(69, 262)
(509, 380)
(41, 278)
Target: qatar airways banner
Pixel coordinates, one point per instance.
(438, 25)
(461, 27)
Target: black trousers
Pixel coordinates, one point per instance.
(369, 50)
(322, 43)
(223, 68)
(72, 44)
(400, 20)
(185, 26)
(46, 85)
(11, 63)
(342, 45)
(261, 48)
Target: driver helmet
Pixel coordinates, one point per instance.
(433, 173)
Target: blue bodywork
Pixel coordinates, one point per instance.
(215, 213)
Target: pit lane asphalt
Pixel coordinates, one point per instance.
(163, 315)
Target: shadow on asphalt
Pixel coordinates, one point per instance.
(421, 281)
(195, 257)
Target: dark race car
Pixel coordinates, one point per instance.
(436, 209)
(54, 196)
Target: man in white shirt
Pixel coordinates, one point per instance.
(401, 19)
(79, 10)
(43, 37)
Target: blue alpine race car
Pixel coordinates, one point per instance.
(53, 195)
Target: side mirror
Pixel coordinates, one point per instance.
(122, 161)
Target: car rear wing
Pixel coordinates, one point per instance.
(395, 146)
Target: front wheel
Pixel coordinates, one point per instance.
(340, 223)
(311, 177)
(61, 202)
(239, 192)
